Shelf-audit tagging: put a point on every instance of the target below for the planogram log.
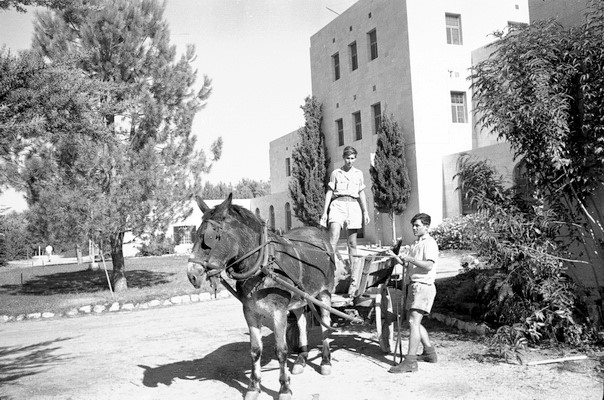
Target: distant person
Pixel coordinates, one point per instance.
(346, 207)
(49, 251)
(420, 260)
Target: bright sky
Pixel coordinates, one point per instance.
(257, 54)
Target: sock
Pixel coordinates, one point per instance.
(429, 350)
(411, 357)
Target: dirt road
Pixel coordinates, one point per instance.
(200, 351)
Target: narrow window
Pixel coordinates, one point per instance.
(453, 23)
(354, 61)
(458, 108)
(467, 205)
(340, 130)
(258, 213)
(523, 187)
(336, 66)
(373, 47)
(271, 218)
(288, 170)
(376, 110)
(358, 129)
(288, 217)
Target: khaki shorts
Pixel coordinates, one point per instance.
(420, 297)
(346, 213)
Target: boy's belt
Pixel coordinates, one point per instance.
(345, 198)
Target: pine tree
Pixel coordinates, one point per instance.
(309, 166)
(389, 175)
(138, 171)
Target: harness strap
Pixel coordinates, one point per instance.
(309, 298)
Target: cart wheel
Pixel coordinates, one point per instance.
(384, 318)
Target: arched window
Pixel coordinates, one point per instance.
(523, 187)
(271, 218)
(288, 217)
(258, 213)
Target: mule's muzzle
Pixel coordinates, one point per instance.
(197, 268)
(195, 273)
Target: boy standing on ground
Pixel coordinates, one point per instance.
(421, 292)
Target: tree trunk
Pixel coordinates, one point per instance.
(393, 227)
(118, 278)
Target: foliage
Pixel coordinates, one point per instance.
(157, 245)
(526, 288)
(245, 189)
(541, 91)
(113, 125)
(17, 242)
(455, 233)
(389, 175)
(509, 342)
(310, 164)
(19, 5)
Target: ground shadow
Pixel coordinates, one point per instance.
(84, 281)
(21, 361)
(227, 364)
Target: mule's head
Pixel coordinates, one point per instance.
(226, 233)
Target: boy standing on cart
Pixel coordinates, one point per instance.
(420, 262)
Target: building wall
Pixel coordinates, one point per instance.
(412, 79)
(500, 156)
(566, 12)
(279, 150)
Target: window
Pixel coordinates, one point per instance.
(336, 66)
(523, 188)
(358, 129)
(467, 207)
(354, 61)
(340, 130)
(453, 23)
(288, 217)
(271, 218)
(376, 110)
(373, 49)
(458, 107)
(258, 213)
(288, 169)
(184, 234)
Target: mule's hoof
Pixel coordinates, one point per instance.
(325, 369)
(285, 396)
(297, 369)
(252, 395)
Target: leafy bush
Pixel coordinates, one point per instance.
(158, 245)
(525, 288)
(455, 233)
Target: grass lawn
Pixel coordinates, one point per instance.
(59, 288)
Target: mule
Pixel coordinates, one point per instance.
(267, 269)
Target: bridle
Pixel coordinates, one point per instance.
(212, 236)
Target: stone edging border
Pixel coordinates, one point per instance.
(470, 327)
(93, 309)
(116, 306)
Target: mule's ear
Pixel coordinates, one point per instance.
(202, 204)
(229, 200)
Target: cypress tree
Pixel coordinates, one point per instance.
(309, 166)
(389, 175)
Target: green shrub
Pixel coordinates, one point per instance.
(157, 245)
(455, 233)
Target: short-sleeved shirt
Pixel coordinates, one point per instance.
(423, 249)
(346, 183)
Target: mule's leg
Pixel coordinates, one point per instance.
(253, 390)
(325, 297)
(300, 363)
(280, 330)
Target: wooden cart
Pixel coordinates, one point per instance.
(380, 289)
